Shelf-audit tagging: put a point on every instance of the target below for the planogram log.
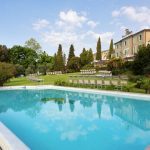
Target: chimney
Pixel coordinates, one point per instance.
(127, 32)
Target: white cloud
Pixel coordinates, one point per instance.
(40, 24)
(138, 14)
(72, 27)
(92, 24)
(55, 37)
(72, 17)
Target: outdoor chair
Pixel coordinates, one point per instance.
(106, 83)
(93, 83)
(86, 82)
(99, 83)
(115, 83)
(81, 82)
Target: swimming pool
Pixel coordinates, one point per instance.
(71, 120)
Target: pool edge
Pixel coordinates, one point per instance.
(95, 91)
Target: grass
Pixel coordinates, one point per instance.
(50, 80)
(47, 80)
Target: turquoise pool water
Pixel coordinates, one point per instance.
(62, 120)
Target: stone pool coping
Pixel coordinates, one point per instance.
(9, 141)
(138, 96)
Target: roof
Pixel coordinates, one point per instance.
(132, 35)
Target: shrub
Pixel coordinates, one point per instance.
(134, 79)
(20, 70)
(7, 71)
(142, 60)
(147, 70)
(88, 66)
(128, 87)
(146, 85)
(60, 83)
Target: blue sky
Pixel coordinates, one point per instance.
(79, 22)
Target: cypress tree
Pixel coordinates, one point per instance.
(98, 48)
(71, 52)
(110, 49)
(71, 55)
(60, 59)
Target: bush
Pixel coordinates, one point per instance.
(142, 61)
(60, 83)
(134, 79)
(146, 85)
(88, 66)
(7, 71)
(147, 70)
(20, 70)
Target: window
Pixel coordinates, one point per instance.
(140, 37)
(125, 43)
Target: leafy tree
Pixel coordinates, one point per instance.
(74, 64)
(142, 61)
(111, 49)
(98, 48)
(45, 63)
(20, 70)
(84, 57)
(33, 44)
(7, 71)
(22, 56)
(45, 58)
(90, 56)
(4, 54)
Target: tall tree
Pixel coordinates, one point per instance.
(4, 53)
(84, 57)
(71, 52)
(90, 56)
(98, 50)
(60, 59)
(33, 44)
(111, 49)
(70, 56)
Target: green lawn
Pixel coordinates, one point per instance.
(47, 80)
(50, 79)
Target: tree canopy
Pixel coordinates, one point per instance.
(4, 54)
(141, 62)
(22, 55)
(34, 45)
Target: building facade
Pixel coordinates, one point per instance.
(127, 47)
